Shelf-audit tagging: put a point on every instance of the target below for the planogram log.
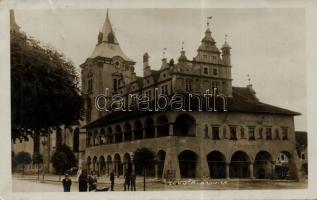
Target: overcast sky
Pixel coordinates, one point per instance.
(268, 44)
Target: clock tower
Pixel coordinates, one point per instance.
(106, 68)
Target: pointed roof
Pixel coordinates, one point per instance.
(107, 30)
(13, 25)
(109, 46)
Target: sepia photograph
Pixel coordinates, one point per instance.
(116, 100)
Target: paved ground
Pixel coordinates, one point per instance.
(30, 184)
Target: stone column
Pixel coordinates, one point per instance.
(114, 138)
(155, 131)
(170, 129)
(251, 170)
(123, 136)
(171, 164)
(143, 133)
(228, 170)
(273, 169)
(132, 135)
(202, 168)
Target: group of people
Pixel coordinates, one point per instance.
(88, 182)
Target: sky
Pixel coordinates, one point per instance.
(268, 44)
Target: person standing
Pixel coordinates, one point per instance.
(67, 182)
(132, 178)
(127, 181)
(112, 180)
(92, 182)
(82, 181)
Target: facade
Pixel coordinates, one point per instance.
(244, 142)
(301, 147)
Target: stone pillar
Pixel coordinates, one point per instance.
(132, 135)
(171, 165)
(251, 170)
(170, 129)
(114, 138)
(228, 170)
(155, 131)
(202, 168)
(123, 136)
(143, 133)
(117, 168)
(273, 169)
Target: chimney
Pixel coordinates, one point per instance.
(146, 66)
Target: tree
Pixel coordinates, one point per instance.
(23, 158)
(37, 159)
(63, 159)
(44, 89)
(144, 158)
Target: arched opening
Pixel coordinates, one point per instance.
(285, 166)
(162, 126)
(109, 136)
(76, 140)
(138, 130)
(187, 164)
(127, 132)
(109, 168)
(184, 125)
(149, 128)
(239, 166)
(127, 164)
(118, 168)
(102, 165)
(217, 164)
(88, 164)
(102, 136)
(263, 165)
(118, 134)
(94, 165)
(160, 162)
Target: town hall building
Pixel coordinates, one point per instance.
(246, 141)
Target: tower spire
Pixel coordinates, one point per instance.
(107, 31)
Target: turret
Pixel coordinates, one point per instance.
(146, 66)
(226, 53)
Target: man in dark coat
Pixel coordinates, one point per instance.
(112, 180)
(82, 182)
(132, 178)
(127, 181)
(67, 182)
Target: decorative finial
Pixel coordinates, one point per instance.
(208, 18)
(164, 52)
(226, 37)
(182, 45)
(249, 79)
(107, 13)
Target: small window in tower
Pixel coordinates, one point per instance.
(111, 37)
(115, 86)
(205, 70)
(148, 81)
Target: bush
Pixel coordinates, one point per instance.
(23, 158)
(63, 159)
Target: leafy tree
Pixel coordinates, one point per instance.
(44, 89)
(63, 159)
(144, 159)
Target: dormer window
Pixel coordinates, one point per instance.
(110, 37)
(215, 72)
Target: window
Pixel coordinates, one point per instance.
(282, 157)
(277, 134)
(268, 133)
(224, 132)
(251, 133)
(215, 72)
(205, 70)
(115, 86)
(242, 132)
(285, 133)
(214, 85)
(233, 133)
(189, 85)
(215, 133)
(90, 85)
(164, 89)
(206, 132)
(303, 156)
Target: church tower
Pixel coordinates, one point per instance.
(107, 68)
